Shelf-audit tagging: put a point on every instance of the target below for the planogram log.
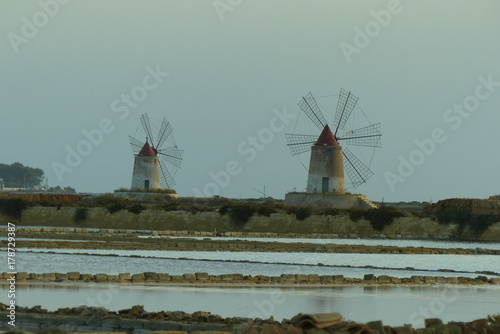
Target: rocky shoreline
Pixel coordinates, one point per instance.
(240, 279)
(136, 320)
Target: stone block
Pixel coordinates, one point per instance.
(176, 278)
(202, 276)
(288, 277)
(138, 277)
(113, 278)
(124, 277)
(61, 277)
(452, 280)
(369, 277)
(384, 279)
(150, 276)
(338, 278)
(163, 277)
(86, 277)
(38, 277)
(74, 276)
(313, 278)
(300, 277)
(495, 280)
(395, 280)
(101, 277)
(189, 277)
(326, 278)
(49, 276)
(429, 279)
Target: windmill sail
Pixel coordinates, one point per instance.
(368, 136)
(146, 125)
(345, 106)
(300, 143)
(164, 133)
(310, 108)
(357, 171)
(167, 181)
(172, 155)
(135, 144)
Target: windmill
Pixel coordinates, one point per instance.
(152, 157)
(328, 159)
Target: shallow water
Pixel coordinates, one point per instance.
(177, 263)
(394, 306)
(367, 242)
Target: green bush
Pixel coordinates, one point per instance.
(239, 213)
(136, 208)
(477, 224)
(381, 217)
(114, 207)
(378, 218)
(266, 210)
(453, 216)
(300, 212)
(356, 214)
(80, 214)
(13, 207)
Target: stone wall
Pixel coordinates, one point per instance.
(205, 278)
(212, 221)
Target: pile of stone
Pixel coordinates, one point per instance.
(205, 278)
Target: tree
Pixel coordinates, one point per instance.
(17, 175)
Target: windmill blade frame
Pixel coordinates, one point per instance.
(357, 171)
(166, 179)
(311, 109)
(300, 143)
(165, 131)
(171, 155)
(345, 106)
(146, 125)
(368, 136)
(136, 144)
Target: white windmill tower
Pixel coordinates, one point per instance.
(151, 158)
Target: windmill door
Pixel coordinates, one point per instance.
(146, 184)
(324, 185)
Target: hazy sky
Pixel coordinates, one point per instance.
(228, 75)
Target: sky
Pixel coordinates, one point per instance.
(75, 77)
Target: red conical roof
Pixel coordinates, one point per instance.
(327, 138)
(147, 150)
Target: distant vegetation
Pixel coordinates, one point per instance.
(17, 175)
(495, 197)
